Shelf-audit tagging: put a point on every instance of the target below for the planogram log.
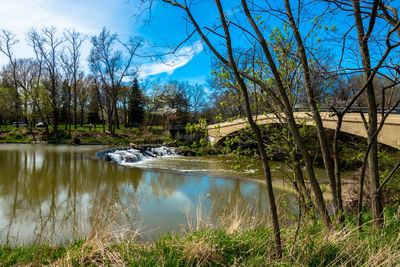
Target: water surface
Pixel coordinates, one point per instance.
(55, 193)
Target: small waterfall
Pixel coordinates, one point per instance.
(127, 155)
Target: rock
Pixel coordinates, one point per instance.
(133, 145)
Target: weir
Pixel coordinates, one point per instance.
(126, 155)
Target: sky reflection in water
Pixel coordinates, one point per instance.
(54, 193)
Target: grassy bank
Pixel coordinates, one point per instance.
(236, 245)
(85, 134)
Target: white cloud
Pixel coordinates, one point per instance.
(171, 62)
(18, 16)
(87, 17)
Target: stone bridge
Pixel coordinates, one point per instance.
(352, 124)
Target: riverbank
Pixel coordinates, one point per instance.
(236, 244)
(85, 135)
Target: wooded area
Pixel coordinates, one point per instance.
(52, 88)
(275, 69)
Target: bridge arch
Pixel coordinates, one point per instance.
(352, 124)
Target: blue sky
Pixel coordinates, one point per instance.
(166, 29)
(190, 62)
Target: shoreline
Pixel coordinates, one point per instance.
(229, 244)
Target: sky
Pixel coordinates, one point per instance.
(189, 63)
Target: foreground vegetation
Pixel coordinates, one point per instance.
(239, 244)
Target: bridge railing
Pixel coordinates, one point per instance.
(327, 109)
(350, 110)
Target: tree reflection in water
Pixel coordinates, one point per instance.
(59, 193)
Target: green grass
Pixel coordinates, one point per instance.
(123, 135)
(6, 127)
(224, 247)
(84, 127)
(18, 255)
(15, 136)
(107, 141)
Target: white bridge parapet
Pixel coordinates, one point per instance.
(352, 124)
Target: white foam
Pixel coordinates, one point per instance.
(132, 156)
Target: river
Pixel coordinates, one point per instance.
(56, 193)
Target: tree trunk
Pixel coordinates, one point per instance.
(116, 115)
(55, 122)
(326, 153)
(75, 106)
(373, 171)
(82, 115)
(309, 164)
(299, 178)
(125, 112)
(337, 169)
(110, 119)
(288, 111)
(69, 111)
(256, 129)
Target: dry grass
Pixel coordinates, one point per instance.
(104, 233)
(346, 247)
(232, 236)
(202, 253)
(232, 216)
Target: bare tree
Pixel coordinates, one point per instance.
(46, 46)
(313, 104)
(83, 86)
(375, 24)
(71, 61)
(24, 76)
(197, 100)
(112, 67)
(7, 43)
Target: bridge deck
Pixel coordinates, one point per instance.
(352, 123)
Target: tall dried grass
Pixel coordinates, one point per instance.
(104, 234)
(233, 235)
